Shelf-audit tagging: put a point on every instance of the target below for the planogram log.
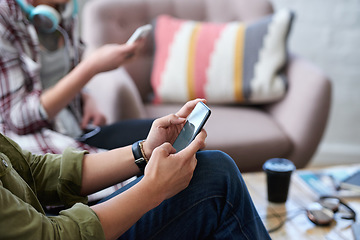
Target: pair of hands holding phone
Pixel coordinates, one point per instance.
(169, 171)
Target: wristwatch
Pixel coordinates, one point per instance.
(140, 159)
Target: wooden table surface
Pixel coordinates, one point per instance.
(298, 226)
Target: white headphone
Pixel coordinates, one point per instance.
(46, 18)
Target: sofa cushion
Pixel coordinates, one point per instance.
(222, 62)
(247, 134)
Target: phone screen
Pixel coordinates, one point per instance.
(193, 125)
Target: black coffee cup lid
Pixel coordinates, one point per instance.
(281, 165)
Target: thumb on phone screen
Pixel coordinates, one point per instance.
(194, 146)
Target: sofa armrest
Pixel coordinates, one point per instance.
(116, 95)
(304, 111)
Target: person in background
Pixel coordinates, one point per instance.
(43, 104)
(189, 194)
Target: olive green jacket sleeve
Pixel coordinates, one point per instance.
(27, 181)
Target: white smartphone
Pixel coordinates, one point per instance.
(193, 125)
(140, 32)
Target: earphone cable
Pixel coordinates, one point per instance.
(282, 221)
(74, 57)
(68, 54)
(71, 54)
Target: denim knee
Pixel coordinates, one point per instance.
(219, 170)
(217, 160)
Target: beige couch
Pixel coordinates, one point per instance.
(291, 128)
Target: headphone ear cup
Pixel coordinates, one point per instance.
(45, 18)
(319, 215)
(331, 203)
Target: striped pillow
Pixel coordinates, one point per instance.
(223, 62)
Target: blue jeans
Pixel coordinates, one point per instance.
(215, 205)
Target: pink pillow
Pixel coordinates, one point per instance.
(223, 62)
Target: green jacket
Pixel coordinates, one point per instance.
(28, 181)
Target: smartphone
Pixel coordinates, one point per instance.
(193, 125)
(140, 32)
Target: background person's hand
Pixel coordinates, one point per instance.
(91, 114)
(166, 129)
(112, 56)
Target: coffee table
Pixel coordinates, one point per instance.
(298, 226)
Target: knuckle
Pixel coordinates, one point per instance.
(166, 145)
(157, 151)
(173, 116)
(199, 143)
(157, 121)
(162, 149)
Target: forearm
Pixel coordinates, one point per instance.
(118, 214)
(104, 169)
(106, 58)
(56, 98)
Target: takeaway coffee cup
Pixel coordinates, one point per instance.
(278, 172)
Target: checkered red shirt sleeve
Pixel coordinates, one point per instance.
(19, 90)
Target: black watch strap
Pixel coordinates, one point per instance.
(139, 158)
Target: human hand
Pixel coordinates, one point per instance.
(169, 172)
(91, 114)
(166, 129)
(112, 56)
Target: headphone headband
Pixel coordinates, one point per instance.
(341, 202)
(46, 18)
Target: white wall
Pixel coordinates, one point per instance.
(328, 33)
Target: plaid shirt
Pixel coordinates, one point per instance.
(20, 86)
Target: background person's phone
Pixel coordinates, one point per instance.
(140, 32)
(193, 125)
